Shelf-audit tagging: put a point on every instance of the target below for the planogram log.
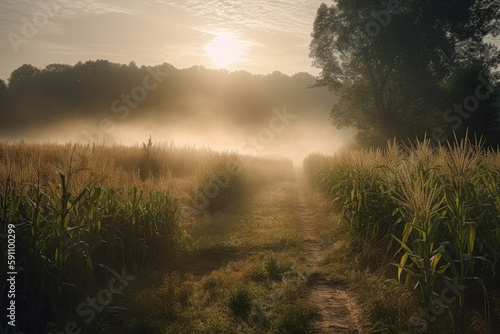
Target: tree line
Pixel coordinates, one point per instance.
(37, 97)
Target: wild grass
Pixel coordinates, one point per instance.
(220, 180)
(240, 274)
(435, 211)
(81, 211)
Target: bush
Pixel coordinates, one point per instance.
(275, 270)
(292, 319)
(220, 181)
(240, 300)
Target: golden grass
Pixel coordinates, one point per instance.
(241, 258)
(79, 209)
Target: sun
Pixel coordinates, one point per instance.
(225, 49)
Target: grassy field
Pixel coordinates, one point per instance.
(428, 218)
(198, 238)
(164, 239)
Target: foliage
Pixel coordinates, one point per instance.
(81, 211)
(220, 181)
(275, 270)
(397, 66)
(88, 90)
(240, 300)
(292, 319)
(439, 205)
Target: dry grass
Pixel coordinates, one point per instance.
(240, 275)
(82, 210)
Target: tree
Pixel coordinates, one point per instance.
(24, 77)
(100, 90)
(389, 63)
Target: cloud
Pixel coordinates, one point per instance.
(157, 31)
(14, 12)
(290, 17)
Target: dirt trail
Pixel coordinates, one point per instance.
(339, 312)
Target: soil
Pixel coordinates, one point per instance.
(338, 309)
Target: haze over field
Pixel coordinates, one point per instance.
(294, 142)
(269, 39)
(264, 166)
(259, 37)
(104, 102)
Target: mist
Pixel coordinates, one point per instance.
(296, 140)
(274, 116)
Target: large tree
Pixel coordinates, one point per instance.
(394, 65)
(24, 77)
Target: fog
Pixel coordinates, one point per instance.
(273, 139)
(270, 116)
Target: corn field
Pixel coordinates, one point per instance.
(80, 211)
(438, 211)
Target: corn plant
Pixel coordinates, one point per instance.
(421, 210)
(63, 238)
(441, 206)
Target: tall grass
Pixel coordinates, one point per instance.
(439, 205)
(82, 210)
(220, 180)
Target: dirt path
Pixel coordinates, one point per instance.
(339, 312)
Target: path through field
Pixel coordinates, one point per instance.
(251, 244)
(338, 311)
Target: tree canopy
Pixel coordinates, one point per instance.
(397, 67)
(88, 90)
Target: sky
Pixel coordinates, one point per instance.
(267, 35)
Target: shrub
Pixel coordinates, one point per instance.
(220, 181)
(240, 300)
